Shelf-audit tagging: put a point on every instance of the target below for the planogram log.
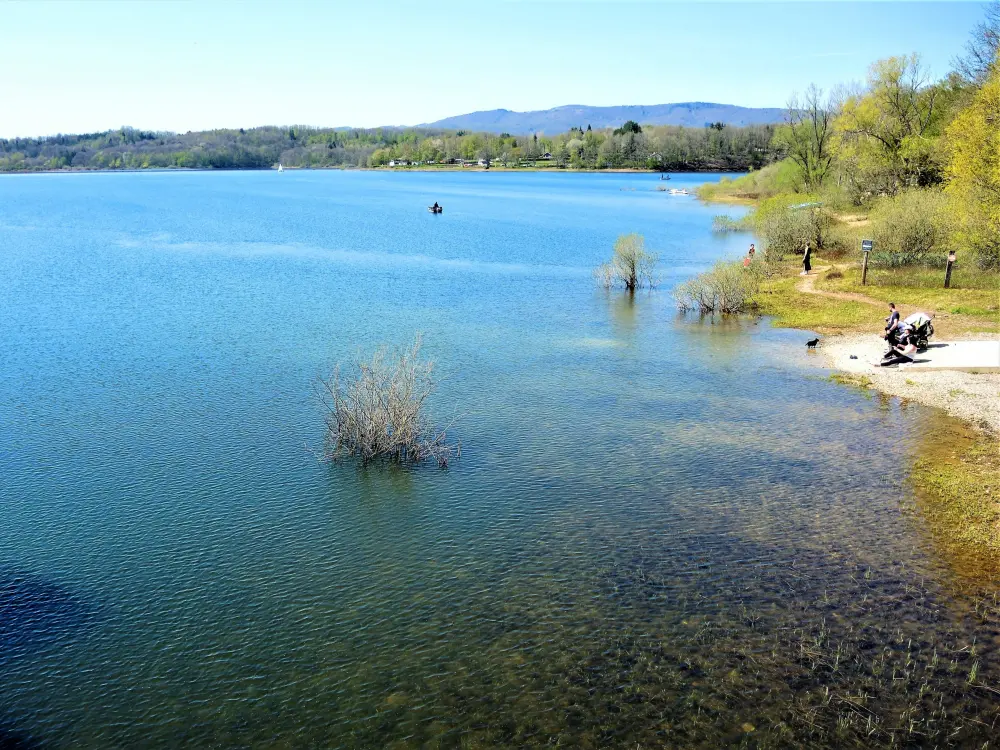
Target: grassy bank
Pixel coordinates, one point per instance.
(836, 302)
(958, 490)
(957, 480)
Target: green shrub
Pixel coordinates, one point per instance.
(729, 224)
(772, 180)
(785, 224)
(631, 265)
(728, 287)
(911, 228)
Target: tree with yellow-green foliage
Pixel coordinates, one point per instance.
(886, 135)
(973, 173)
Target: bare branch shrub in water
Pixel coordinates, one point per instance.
(378, 410)
(631, 265)
(725, 223)
(728, 287)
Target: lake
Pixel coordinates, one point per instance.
(663, 530)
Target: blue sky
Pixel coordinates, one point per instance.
(87, 66)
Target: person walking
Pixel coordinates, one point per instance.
(806, 265)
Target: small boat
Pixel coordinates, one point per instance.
(435, 209)
(675, 191)
(280, 168)
(664, 177)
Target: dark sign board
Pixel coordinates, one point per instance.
(866, 246)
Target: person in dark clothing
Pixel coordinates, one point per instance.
(806, 265)
(893, 320)
(901, 354)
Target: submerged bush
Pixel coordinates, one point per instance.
(631, 265)
(909, 228)
(728, 287)
(378, 410)
(725, 223)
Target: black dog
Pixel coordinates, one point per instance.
(812, 344)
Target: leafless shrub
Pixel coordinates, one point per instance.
(728, 287)
(377, 410)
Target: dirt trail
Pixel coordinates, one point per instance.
(807, 284)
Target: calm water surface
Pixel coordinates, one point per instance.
(663, 531)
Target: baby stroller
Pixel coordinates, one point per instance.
(916, 329)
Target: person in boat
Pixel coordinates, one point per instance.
(435, 206)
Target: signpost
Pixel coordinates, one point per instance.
(947, 273)
(866, 247)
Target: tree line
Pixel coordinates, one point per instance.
(665, 148)
(920, 157)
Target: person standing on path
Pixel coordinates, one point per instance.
(806, 265)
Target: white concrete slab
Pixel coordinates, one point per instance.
(966, 356)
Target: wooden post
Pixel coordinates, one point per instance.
(866, 247)
(947, 273)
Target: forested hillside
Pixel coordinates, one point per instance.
(560, 119)
(717, 147)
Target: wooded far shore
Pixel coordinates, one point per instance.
(632, 147)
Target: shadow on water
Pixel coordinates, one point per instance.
(12, 739)
(35, 612)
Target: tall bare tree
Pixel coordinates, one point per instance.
(982, 49)
(806, 135)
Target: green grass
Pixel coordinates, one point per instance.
(964, 493)
(921, 277)
(794, 309)
(849, 379)
(772, 180)
(972, 305)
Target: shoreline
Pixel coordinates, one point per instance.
(450, 168)
(973, 398)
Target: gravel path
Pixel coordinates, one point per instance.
(974, 398)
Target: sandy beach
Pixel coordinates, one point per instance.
(969, 396)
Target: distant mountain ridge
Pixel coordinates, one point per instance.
(561, 119)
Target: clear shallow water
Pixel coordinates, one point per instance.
(662, 531)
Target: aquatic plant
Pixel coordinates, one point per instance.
(725, 223)
(728, 287)
(631, 265)
(378, 410)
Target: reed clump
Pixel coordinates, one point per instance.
(377, 410)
